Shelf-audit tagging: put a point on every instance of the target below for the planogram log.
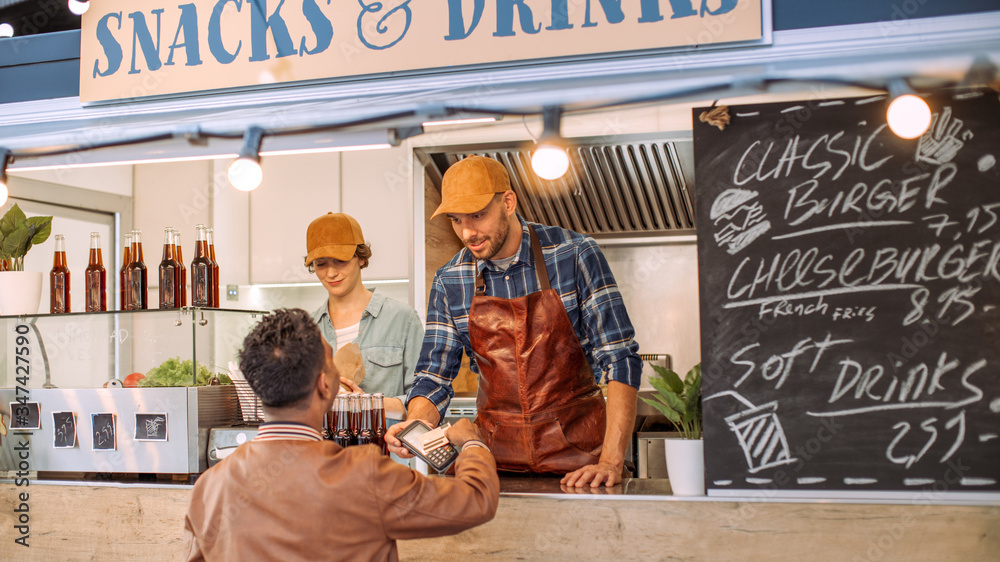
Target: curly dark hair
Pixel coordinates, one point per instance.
(282, 357)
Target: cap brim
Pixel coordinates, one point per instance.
(465, 205)
(341, 252)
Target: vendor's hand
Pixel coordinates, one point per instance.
(351, 387)
(595, 475)
(393, 443)
(462, 431)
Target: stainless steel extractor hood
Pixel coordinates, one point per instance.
(622, 189)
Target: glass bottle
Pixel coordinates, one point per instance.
(341, 429)
(366, 431)
(95, 277)
(201, 271)
(138, 280)
(210, 237)
(179, 255)
(378, 421)
(168, 272)
(354, 403)
(124, 280)
(59, 279)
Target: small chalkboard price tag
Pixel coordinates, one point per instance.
(151, 427)
(104, 431)
(63, 430)
(25, 416)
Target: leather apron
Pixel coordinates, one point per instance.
(539, 408)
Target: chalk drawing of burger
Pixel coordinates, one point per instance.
(738, 219)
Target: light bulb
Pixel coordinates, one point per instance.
(245, 174)
(908, 116)
(6, 30)
(549, 162)
(78, 7)
(3, 193)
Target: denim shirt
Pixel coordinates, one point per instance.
(390, 336)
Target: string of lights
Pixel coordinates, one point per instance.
(908, 116)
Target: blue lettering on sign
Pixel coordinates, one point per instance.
(112, 50)
(260, 22)
(456, 23)
(612, 11)
(322, 28)
(381, 28)
(381, 24)
(560, 15)
(505, 18)
(215, 33)
(188, 24)
(140, 34)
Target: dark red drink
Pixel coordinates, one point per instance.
(341, 429)
(378, 421)
(59, 279)
(95, 277)
(124, 280)
(366, 431)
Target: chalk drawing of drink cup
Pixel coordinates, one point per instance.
(738, 219)
(759, 432)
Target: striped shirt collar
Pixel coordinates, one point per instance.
(274, 431)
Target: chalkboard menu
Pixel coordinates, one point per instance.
(850, 284)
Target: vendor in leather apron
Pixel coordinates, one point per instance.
(537, 309)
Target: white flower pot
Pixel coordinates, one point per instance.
(685, 466)
(20, 292)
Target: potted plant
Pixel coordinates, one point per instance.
(680, 401)
(20, 291)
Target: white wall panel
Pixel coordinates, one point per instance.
(376, 191)
(109, 179)
(296, 189)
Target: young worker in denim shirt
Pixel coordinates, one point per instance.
(388, 332)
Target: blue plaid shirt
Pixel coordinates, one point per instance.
(580, 274)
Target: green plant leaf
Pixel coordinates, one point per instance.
(11, 220)
(663, 409)
(42, 227)
(16, 243)
(672, 379)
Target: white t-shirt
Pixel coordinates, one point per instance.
(347, 335)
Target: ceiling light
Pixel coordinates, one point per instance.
(4, 158)
(550, 160)
(908, 115)
(6, 30)
(245, 172)
(78, 7)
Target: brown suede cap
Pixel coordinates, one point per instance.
(469, 184)
(334, 235)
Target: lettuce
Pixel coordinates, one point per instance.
(174, 372)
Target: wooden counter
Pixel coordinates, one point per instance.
(133, 522)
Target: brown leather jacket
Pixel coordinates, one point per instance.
(299, 500)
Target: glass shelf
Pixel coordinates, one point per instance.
(89, 349)
(186, 309)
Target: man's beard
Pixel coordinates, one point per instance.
(493, 243)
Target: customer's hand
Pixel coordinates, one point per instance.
(393, 443)
(350, 387)
(462, 431)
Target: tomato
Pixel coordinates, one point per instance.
(132, 380)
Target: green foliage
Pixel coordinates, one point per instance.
(174, 372)
(678, 400)
(19, 233)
